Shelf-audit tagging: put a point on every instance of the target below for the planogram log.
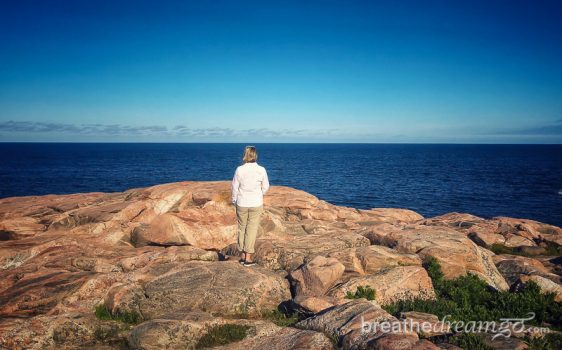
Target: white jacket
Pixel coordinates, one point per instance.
(249, 184)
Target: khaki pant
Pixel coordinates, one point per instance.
(248, 224)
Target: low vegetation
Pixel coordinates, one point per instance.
(468, 298)
(280, 318)
(223, 334)
(470, 341)
(362, 292)
(551, 249)
(103, 313)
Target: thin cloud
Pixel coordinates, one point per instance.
(181, 131)
(547, 130)
(82, 129)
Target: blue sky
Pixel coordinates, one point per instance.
(281, 71)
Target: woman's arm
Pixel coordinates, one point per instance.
(235, 187)
(264, 182)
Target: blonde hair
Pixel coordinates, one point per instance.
(250, 154)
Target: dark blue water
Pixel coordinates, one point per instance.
(486, 180)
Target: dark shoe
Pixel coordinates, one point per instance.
(242, 261)
(249, 263)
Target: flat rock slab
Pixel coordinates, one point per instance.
(220, 288)
(182, 330)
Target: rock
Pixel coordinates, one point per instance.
(393, 215)
(401, 341)
(314, 305)
(391, 285)
(510, 232)
(220, 288)
(546, 285)
(184, 331)
(84, 331)
(186, 229)
(372, 259)
(288, 252)
(172, 331)
(282, 338)
(513, 266)
(156, 249)
(317, 276)
(530, 250)
(426, 325)
(358, 324)
(457, 254)
(503, 343)
(123, 299)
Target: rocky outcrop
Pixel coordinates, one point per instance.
(512, 267)
(288, 252)
(358, 324)
(457, 254)
(185, 330)
(505, 231)
(390, 285)
(166, 256)
(220, 288)
(372, 259)
(317, 276)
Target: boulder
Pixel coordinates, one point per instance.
(124, 299)
(457, 254)
(187, 228)
(426, 325)
(359, 324)
(512, 267)
(317, 276)
(393, 215)
(219, 288)
(372, 259)
(390, 285)
(185, 330)
(282, 338)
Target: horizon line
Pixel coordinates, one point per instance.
(281, 143)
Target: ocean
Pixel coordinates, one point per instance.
(486, 180)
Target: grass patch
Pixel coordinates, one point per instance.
(280, 318)
(222, 334)
(550, 341)
(470, 341)
(103, 313)
(468, 298)
(550, 249)
(362, 292)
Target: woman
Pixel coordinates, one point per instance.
(249, 184)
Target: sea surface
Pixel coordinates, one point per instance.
(486, 180)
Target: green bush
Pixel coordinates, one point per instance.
(362, 292)
(550, 249)
(222, 334)
(103, 313)
(470, 341)
(550, 341)
(468, 298)
(281, 319)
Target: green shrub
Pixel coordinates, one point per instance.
(550, 249)
(362, 292)
(222, 334)
(103, 313)
(468, 298)
(550, 341)
(470, 341)
(280, 318)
